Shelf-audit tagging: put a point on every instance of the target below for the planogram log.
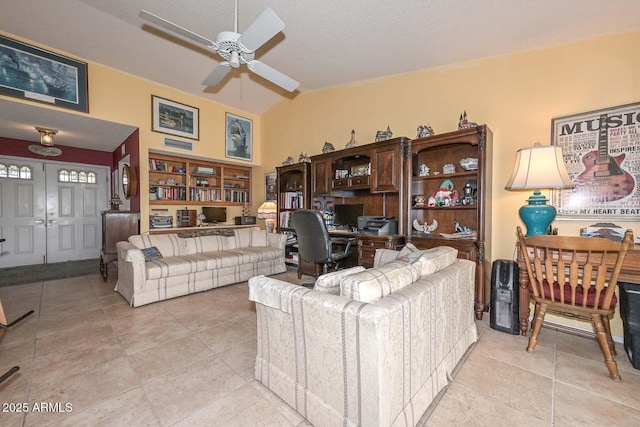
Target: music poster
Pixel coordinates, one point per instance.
(601, 150)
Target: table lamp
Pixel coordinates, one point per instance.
(538, 167)
(268, 211)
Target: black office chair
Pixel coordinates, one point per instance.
(314, 243)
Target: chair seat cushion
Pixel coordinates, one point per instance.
(591, 294)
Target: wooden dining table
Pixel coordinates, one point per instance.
(630, 273)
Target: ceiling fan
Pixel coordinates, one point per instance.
(236, 48)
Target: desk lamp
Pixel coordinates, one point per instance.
(535, 168)
(268, 211)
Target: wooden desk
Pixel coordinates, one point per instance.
(630, 273)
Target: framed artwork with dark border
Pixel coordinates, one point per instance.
(35, 74)
(238, 137)
(601, 150)
(173, 118)
(270, 190)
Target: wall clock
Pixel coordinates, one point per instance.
(129, 181)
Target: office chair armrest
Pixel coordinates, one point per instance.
(342, 240)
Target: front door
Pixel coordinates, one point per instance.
(53, 215)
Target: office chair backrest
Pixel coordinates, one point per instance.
(314, 243)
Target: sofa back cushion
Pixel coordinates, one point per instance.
(167, 244)
(432, 260)
(375, 283)
(212, 243)
(330, 283)
(249, 237)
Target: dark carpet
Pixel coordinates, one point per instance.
(43, 272)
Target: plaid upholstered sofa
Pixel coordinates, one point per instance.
(157, 267)
(366, 347)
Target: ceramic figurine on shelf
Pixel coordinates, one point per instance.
(288, 161)
(432, 200)
(383, 135)
(419, 200)
(424, 131)
(304, 158)
(352, 142)
(449, 168)
(424, 170)
(459, 228)
(463, 123)
(328, 148)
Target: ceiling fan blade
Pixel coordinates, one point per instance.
(217, 74)
(163, 23)
(273, 75)
(261, 31)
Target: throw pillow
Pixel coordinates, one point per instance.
(330, 283)
(434, 259)
(376, 283)
(151, 253)
(385, 256)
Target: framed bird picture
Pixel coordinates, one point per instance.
(239, 137)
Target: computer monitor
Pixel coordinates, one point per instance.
(213, 214)
(347, 215)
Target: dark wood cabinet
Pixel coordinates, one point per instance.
(441, 192)
(320, 177)
(386, 168)
(117, 226)
(368, 244)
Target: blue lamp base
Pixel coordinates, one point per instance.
(537, 215)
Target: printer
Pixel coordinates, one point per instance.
(379, 225)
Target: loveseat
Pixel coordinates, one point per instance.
(157, 267)
(366, 347)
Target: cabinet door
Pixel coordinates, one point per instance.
(320, 177)
(386, 168)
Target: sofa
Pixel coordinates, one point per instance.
(161, 266)
(366, 347)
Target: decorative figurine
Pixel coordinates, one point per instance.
(419, 200)
(383, 135)
(425, 228)
(303, 158)
(449, 168)
(459, 228)
(424, 131)
(328, 148)
(432, 200)
(463, 123)
(424, 170)
(288, 161)
(352, 142)
(443, 195)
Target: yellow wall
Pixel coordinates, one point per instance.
(124, 98)
(515, 95)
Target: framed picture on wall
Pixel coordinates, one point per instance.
(600, 150)
(174, 118)
(238, 137)
(36, 74)
(270, 190)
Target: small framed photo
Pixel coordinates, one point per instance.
(238, 137)
(35, 74)
(360, 170)
(174, 118)
(342, 173)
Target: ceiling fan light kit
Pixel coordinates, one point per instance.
(46, 136)
(235, 48)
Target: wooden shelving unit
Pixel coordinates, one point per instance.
(180, 180)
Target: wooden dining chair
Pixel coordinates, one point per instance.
(568, 276)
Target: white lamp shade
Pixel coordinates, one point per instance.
(267, 210)
(539, 167)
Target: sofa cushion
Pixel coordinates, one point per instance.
(243, 236)
(199, 244)
(176, 265)
(330, 283)
(167, 244)
(432, 260)
(151, 253)
(384, 256)
(375, 283)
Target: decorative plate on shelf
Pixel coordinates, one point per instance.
(469, 163)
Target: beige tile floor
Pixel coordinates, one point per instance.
(189, 362)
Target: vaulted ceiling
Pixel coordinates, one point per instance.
(324, 43)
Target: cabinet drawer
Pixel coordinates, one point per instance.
(360, 180)
(367, 254)
(341, 183)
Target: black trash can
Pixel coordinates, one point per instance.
(505, 296)
(630, 313)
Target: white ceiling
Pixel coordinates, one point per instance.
(325, 43)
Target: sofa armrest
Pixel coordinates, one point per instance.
(132, 271)
(272, 293)
(276, 240)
